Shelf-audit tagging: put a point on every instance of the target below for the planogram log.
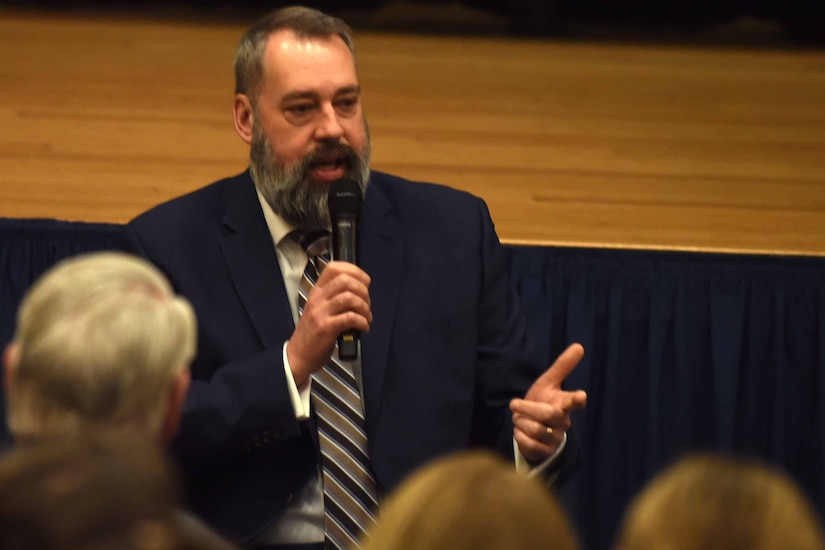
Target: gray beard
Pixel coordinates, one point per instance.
(301, 202)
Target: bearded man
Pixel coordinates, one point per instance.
(444, 360)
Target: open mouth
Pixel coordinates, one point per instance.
(328, 167)
(329, 163)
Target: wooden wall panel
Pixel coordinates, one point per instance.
(570, 143)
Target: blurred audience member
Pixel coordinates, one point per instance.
(725, 503)
(102, 347)
(93, 493)
(103, 343)
(472, 500)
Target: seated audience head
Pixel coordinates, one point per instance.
(98, 493)
(469, 501)
(102, 343)
(727, 503)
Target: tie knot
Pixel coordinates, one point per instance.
(314, 243)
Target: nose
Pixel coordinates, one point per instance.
(328, 127)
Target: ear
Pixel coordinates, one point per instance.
(10, 357)
(174, 404)
(244, 117)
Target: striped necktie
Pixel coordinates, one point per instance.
(349, 485)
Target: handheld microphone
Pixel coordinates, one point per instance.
(344, 200)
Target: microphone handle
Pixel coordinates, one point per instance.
(348, 345)
(344, 242)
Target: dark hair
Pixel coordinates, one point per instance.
(87, 492)
(304, 22)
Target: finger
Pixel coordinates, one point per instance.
(333, 269)
(537, 430)
(542, 415)
(562, 366)
(348, 320)
(533, 450)
(326, 316)
(341, 312)
(338, 295)
(341, 281)
(346, 302)
(536, 410)
(567, 401)
(574, 400)
(332, 317)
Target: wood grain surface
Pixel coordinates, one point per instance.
(569, 142)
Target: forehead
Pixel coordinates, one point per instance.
(310, 63)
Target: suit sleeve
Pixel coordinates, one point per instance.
(507, 358)
(236, 407)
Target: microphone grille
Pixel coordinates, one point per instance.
(344, 198)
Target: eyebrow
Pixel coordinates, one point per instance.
(314, 95)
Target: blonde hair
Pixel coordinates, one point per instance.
(710, 501)
(100, 339)
(471, 500)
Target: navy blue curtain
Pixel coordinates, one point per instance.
(28, 247)
(684, 352)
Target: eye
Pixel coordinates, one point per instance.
(300, 113)
(300, 109)
(347, 105)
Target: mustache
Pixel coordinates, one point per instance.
(329, 150)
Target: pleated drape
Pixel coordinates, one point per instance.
(684, 352)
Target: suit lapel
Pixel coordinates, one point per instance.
(250, 256)
(380, 246)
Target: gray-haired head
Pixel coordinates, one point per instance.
(304, 22)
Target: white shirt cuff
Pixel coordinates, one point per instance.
(523, 466)
(299, 397)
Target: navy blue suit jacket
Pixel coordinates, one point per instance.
(447, 350)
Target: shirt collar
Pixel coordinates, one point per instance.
(278, 227)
